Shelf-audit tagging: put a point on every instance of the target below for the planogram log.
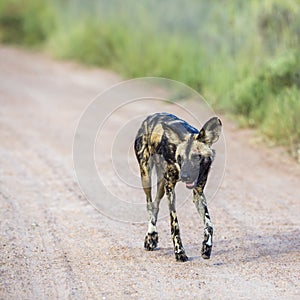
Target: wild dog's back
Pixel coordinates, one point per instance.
(151, 130)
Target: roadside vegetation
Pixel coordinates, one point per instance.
(242, 56)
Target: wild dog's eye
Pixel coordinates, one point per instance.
(196, 157)
(207, 160)
(179, 160)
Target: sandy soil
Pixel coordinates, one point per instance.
(56, 245)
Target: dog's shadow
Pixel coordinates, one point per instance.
(253, 246)
(250, 247)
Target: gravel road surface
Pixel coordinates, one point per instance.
(55, 245)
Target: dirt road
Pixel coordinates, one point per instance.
(56, 245)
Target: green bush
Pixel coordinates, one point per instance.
(271, 100)
(27, 23)
(282, 122)
(252, 96)
(87, 42)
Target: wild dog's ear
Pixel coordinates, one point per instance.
(211, 131)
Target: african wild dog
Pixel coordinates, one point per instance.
(179, 152)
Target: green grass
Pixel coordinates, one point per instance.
(243, 56)
(27, 23)
(270, 100)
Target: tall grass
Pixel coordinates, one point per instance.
(26, 22)
(243, 56)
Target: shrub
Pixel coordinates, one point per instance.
(27, 23)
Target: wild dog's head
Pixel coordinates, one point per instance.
(194, 156)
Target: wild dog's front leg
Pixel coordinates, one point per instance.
(201, 205)
(175, 232)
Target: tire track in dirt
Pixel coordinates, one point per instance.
(39, 239)
(11, 248)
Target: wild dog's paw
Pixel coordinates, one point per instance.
(181, 256)
(206, 250)
(151, 241)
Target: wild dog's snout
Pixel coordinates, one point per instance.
(185, 177)
(186, 174)
(189, 171)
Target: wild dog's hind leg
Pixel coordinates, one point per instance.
(201, 205)
(151, 239)
(146, 164)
